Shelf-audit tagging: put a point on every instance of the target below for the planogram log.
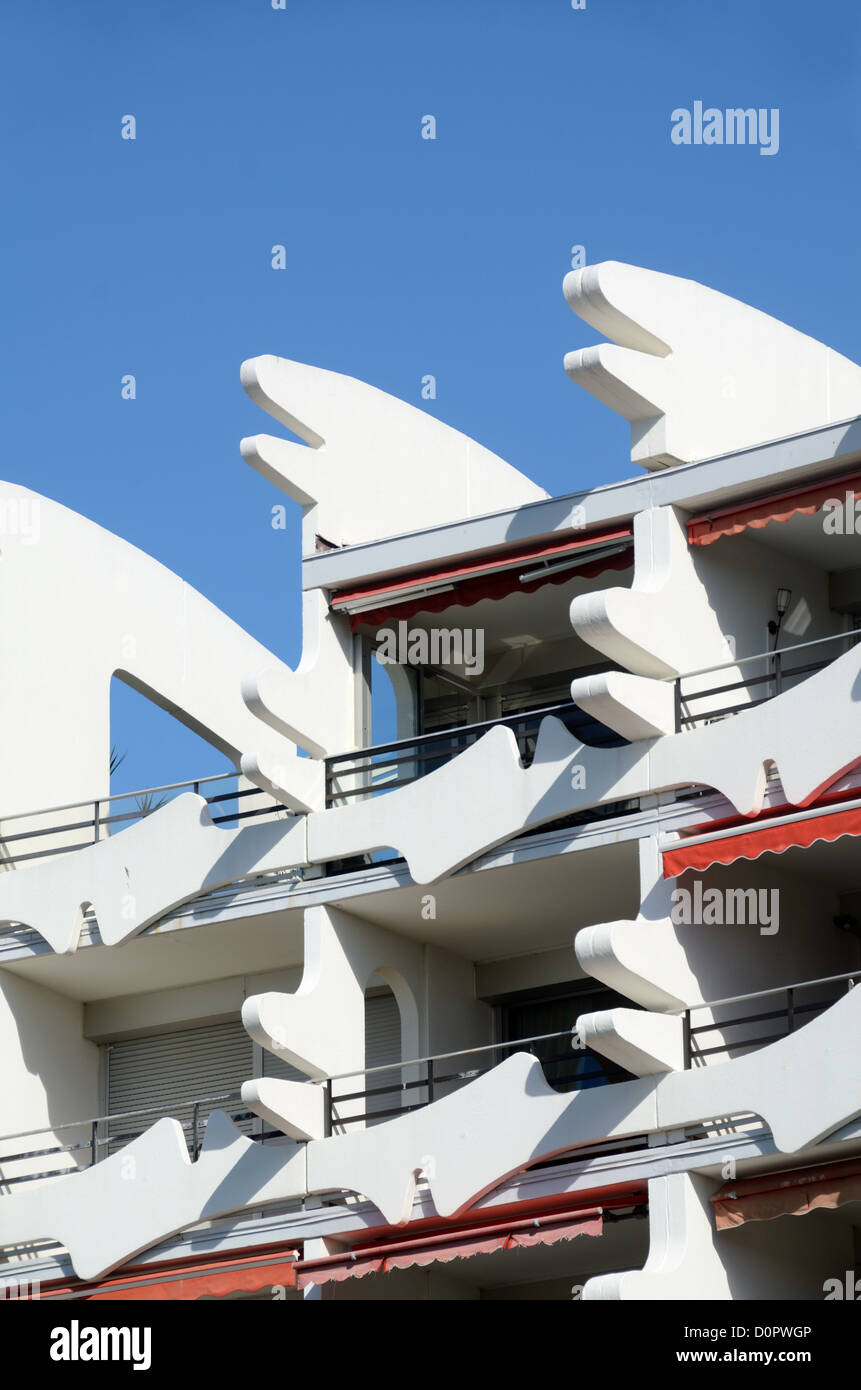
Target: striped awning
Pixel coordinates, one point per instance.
(791, 1193)
(458, 1244)
(521, 569)
(772, 835)
(709, 526)
(186, 1280)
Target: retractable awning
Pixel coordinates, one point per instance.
(776, 506)
(792, 1193)
(468, 581)
(440, 1248)
(187, 1279)
(771, 835)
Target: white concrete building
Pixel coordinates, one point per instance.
(545, 993)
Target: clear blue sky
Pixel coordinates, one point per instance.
(404, 256)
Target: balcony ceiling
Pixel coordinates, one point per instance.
(517, 908)
(803, 538)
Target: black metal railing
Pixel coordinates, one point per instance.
(103, 814)
(575, 1068)
(358, 773)
(790, 1014)
(779, 675)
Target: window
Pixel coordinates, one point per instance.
(555, 1009)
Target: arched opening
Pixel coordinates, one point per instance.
(151, 748)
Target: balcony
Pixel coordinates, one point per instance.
(382, 768)
(417, 1083)
(399, 1088)
(61, 829)
(782, 671)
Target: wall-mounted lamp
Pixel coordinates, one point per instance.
(782, 602)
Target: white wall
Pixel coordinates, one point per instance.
(742, 578)
(50, 1072)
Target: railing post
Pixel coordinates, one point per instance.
(790, 1011)
(778, 678)
(686, 1038)
(95, 822)
(430, 1080)
(327, 1109)
(94, 1144)
(194, 1122)
(677, 702)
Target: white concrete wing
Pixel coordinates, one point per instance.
(371, 465)
(696, 372)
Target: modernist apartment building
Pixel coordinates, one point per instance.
(540, 987)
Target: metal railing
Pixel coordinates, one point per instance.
(778, 674)
(382, 767)
(575, 1068)
(397, 764)
(102, 1136)
(107, 812)
(792, 1014)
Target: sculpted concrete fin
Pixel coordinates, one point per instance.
(78, 605)
(342, 953)
(664, 624)
(297, 1027)
(696, 372)
(424, 472)
(294, 1107)
(640, 959)
(646, 1044)
(633, 706)
(313, 704)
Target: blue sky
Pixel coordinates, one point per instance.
(405, 256)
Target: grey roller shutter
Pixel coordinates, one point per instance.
(172, 1071)
(382, 1045)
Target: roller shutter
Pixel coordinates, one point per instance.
(172, 1071)
(382, 1045)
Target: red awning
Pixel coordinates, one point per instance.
(186, 1279)
(455, 1244)
(776, 506)
(792, 1193)
(725, 847)
(490, 576)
